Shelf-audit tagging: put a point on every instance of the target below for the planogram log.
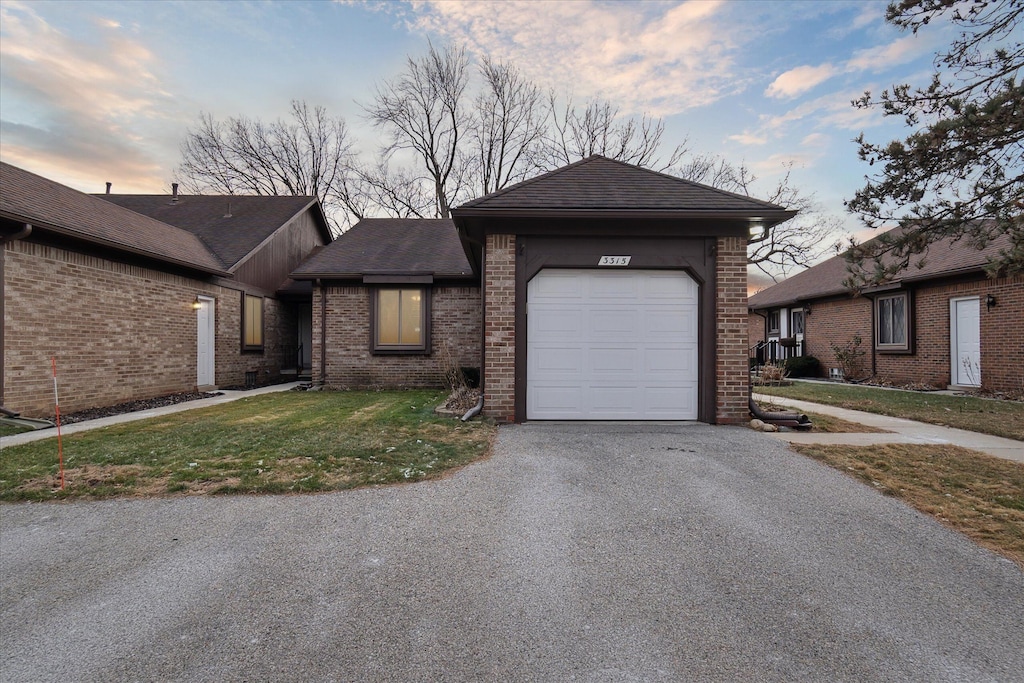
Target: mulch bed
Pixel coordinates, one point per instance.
(135, 406)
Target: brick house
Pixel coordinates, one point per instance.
(599, 290)
(940, 322)
(134, 305)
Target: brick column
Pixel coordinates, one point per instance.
(500, 327)
(732, 372)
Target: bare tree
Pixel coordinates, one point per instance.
(310, 155)
(599, 129)
(508, 128)
(796, 243)
(423, 111)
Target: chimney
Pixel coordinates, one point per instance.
(174, 193)
(108, 187)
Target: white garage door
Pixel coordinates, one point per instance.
(611, 345)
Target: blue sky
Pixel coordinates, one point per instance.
(104, 91)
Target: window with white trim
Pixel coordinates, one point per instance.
(773, 321)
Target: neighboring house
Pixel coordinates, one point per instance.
(133, 307)
(941, 321)
(598, 291)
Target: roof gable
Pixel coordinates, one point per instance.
(396, 246)
(30, 198)
(232, 226)
(601, 184)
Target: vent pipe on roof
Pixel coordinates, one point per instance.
(174, 193)
(109, 185)
(228, 214)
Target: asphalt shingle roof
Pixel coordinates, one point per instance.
(601, 184)
(381, 246)
(29, 198)
(942, 258)
(231, 226)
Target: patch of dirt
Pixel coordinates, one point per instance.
(134, 406)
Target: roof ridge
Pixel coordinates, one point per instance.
(529, 181)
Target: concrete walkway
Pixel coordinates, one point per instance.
(900, 431)
(84, 426)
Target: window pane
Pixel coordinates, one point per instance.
(798, 323)
(899, 320)
(411, 318)
(253, 321)
(387, 316)
(884, 321)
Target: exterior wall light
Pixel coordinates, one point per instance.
(990, 301)
(197, 304)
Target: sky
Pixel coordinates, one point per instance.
(92, 92)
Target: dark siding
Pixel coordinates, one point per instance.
(268, 267)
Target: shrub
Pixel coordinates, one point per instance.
(803, 366)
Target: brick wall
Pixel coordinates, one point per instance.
(755, 329)
(837, 322)
(1002, 336)
(732, 376)
(500, 327)
(119, 332)
(455, 324)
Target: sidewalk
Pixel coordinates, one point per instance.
(903, 431)
(65, 430)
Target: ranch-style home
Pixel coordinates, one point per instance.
(940, 322)
(132, 306)
(598, 291)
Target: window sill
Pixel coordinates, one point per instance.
(400, 352)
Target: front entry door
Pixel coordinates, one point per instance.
(965, 342)
(205, 336)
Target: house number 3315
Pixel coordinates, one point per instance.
(614, 261)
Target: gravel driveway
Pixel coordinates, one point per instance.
(577, 553)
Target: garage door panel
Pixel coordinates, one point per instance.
(612, 323)
(674, 322)
(557, 286)
(558, 322)
(670, 365)
(560, 359)
(602, 362)
(612, 345)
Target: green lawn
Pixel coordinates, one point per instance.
(273, 443)
(999, 418)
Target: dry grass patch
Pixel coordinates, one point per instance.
(273, 443)
(976, 494)
(986, 416)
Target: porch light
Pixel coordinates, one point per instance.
(197, 304)
(990, 301)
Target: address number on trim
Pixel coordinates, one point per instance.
(614, 261)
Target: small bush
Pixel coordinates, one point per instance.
(803, 366)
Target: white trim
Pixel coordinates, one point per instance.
(206, 324)
(954, 349)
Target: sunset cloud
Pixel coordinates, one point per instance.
(799, 80)
(682, 54)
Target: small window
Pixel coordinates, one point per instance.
(400, 324)
(773, 322)
(252, 323)
(796, 323)
(892, 331)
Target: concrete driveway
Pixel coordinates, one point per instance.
(577, 553)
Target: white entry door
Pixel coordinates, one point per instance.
(205, 338)
(612, 345)
(965, 341)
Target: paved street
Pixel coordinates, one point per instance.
(577, 553)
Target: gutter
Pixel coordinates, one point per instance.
(26, 230)
(323, 331)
